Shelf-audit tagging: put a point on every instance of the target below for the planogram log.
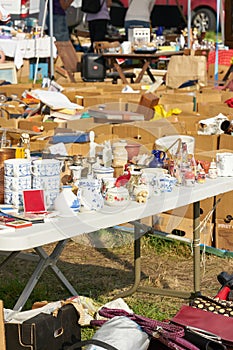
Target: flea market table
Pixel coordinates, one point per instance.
(62, 229)
(144, 58)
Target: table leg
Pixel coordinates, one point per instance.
(142, 72)
(196, 247)
(120, 72)
(137, 262)
(139, 230)
(44, 262)
(150, 75)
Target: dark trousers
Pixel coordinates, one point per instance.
(98, 31)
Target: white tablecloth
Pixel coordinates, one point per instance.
(27, 48)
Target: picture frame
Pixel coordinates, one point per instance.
(8, 72)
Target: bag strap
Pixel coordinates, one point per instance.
(167, 333)
(148, 325)
(96, 342)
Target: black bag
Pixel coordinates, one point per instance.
(92, 6)
(45, 331)
(93, 67)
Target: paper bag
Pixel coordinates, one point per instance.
(185, 68)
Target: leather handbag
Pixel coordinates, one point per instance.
(216, 327)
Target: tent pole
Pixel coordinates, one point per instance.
(42, 31)
(189, 24)
(51, 38)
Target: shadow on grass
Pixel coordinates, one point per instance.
(94, 281)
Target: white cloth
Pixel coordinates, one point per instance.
(27, 48)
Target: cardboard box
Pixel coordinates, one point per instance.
(187, 210)
(189, 121)
(78, 149)
(220, 107)
(223, 235)
(226, 142)
(148, 131)
(32, 125)
(182, 227)
(224, 206)
(147, 103)
(205, 142)
(23, 72)
(37, 332)
(222, 70)
(210, 155)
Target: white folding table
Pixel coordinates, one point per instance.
(62, 229)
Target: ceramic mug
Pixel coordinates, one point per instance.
(90, 194)
(46, 182)
(167, 183)
(17, 183)
(14, 198)
(107, 183)
(50, 197)
(46, 167)
(163, 183)
(17, 167)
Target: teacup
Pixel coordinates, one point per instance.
(17, 183)
(50, 183)
(17, 167)
(46, 167)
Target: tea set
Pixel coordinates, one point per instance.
(99, 187)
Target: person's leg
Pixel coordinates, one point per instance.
(60, 28)
(98, 30)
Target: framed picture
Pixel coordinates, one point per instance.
(8, 72)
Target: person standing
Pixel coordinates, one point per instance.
(138, 14)
(97, 23)
(60, 26)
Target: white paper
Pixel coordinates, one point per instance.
(58, 148)
(54, 99)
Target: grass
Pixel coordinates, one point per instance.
(100, 273)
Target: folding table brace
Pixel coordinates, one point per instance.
(140, 230)
(45, 261)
